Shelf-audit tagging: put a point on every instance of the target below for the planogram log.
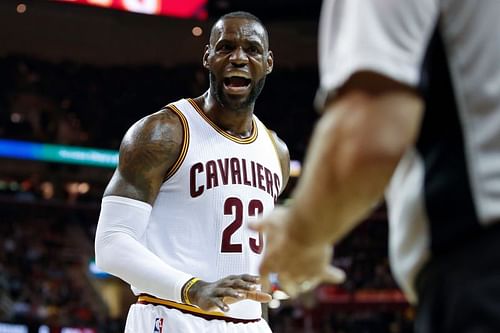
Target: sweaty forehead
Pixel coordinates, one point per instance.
(238, 28)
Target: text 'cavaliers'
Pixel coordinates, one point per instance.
(232, 171)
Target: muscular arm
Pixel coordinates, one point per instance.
(148, 150)
(355, 149)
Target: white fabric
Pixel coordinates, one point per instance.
(142, 319)
(471, 35)
(122, 223)
(390, 37)
(220, 180)
(409, 238)
(387, 37)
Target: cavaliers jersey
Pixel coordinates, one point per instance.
(219, 184)
(446, 189)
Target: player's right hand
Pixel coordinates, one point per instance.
(210, 296)
(301, 267)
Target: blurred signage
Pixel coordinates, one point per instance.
(77, 330)
(105, 158)
(47, 329)
(58, 153)
(13, 328)
(178, 8)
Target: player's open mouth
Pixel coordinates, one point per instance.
(237, 84)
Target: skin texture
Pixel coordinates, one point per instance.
(152, 145)
(355, 148)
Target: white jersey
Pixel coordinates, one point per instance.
(447, 188)
(220, 183)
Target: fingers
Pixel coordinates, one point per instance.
(249, 278)
(244, 282)
(294, 286)
(266, 283)
(333, 275)
(258, 296)
(232, 289)
(290, 288)
(218, 302)
(257, 226)
(233, 294)
(246, 291)
(229, 296)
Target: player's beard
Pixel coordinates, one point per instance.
(217, 90)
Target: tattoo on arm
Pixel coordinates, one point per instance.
(148, 150)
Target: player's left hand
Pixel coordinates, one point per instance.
(300, 267)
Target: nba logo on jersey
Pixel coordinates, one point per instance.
(158, 325)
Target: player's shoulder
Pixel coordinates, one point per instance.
(280, 145)
(161, 128)
(164, 116)
(283, 154)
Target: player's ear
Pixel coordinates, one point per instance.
(270, 62)
(205, 56)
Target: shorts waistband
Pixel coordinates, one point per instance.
(192, 310)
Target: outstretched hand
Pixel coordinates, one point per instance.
(300, 267)
(210, 296)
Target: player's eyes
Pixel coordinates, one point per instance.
(253, 49)
(224, 48)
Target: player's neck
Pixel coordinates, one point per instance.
(235, 122)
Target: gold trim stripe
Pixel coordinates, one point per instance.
(180, 306)
(185, 141)
(248, 140)
(275, 146)
(193, 310)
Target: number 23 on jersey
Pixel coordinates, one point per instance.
(235, 208)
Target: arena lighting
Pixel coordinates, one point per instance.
(104, 158)
(177, 8)
(21, 8)
(96, 271)
(295, 168)
(197, 31)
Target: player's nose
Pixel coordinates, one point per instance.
(238, 57)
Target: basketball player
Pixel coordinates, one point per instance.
(411, 98)
(190, 178)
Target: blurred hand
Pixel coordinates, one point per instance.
(300, 267)
(212, 296)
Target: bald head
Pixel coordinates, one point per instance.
(218, 26)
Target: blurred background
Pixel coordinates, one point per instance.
(74, 75)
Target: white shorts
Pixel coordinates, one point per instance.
(149, 318)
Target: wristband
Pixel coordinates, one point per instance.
(185, 290)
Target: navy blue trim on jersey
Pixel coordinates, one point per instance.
(448, 197)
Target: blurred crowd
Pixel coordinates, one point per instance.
(44, 256)
(42, 271)
(69, 103)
